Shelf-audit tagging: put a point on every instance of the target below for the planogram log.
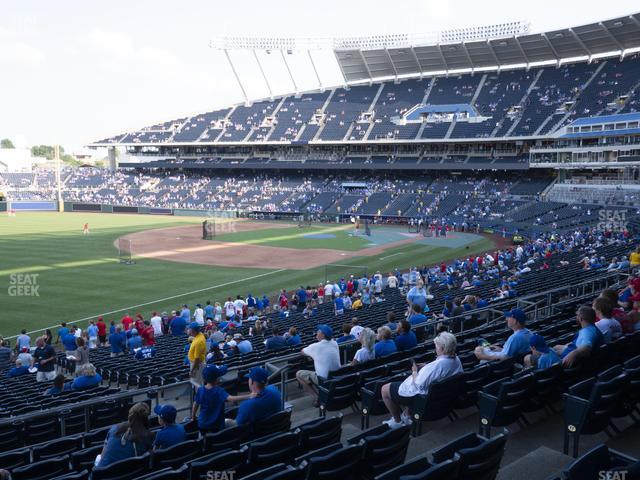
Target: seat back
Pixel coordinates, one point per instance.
(441, 397)
(384, 451)
(474, 380)
(85, 458)
(16, 458)
(595, 460)
(176, 455)
(276, 449)
(319, 433)
(56, 448)
(412, 467)
(483, 461)
(278, 422)
(123, 469)
(235, 460)
(42, 470)
(441, 471)
(342, 464)
(341, 392)
(229, 438)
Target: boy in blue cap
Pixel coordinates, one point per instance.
(541, 355)
(210, 399)
(516, 345)
(265, 401)
(171, 433)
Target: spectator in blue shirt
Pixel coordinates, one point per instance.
(585, 341)
(339, 304)
(23, 340)
(144, 353)
(276, 341)
(406, 339)
(416, 316)
(302, 297)
(129, 439)
(208, 311)
(117, 340)
(210, 400)
(541, 356)
(265, 302)
(62, 331)
(516, 345)
(178, 325)
(18, 370)
(244, 346)
(135, 341)
(384, 346)
(69, 342)
(265, 401)
(87, 378)
(57, 387)
(418, 296)
(171, 433)
(346, 334)
(292, 337)
(391, 321)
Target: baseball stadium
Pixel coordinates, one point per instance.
(427, 270)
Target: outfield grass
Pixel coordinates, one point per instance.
(79, 277)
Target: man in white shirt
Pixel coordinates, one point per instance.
(229, 309)
(400, 394)
(198, 315)
(356, 327)
(156, 323)
(609, 326)
(326, 358)
(239, 304)
(328, 291)
(392, 281)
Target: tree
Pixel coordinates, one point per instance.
(6, 143)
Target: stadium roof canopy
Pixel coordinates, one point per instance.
(363, 63)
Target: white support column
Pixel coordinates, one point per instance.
(266, 81)
(233, 69)
(315, 70)
(552, 48)
(395, 70)
(284, 59)
(581, 43)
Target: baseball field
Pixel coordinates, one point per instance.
(51, 272)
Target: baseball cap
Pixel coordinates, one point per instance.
(166, 412)
(326, 330)
(518, 314)
(134, 331)
(212, 372)
(194, 326)
(539, 343)
(237, 336)
(258, 374)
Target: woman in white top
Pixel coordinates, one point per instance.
(400, 394)
(367, 339)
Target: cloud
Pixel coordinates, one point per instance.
(20, 53)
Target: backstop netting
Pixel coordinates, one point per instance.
(335, 271)
(125, 252)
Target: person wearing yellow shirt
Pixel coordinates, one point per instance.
(634, 258)
(197, 353)
(357, 304)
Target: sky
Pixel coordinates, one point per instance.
(77, 71)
